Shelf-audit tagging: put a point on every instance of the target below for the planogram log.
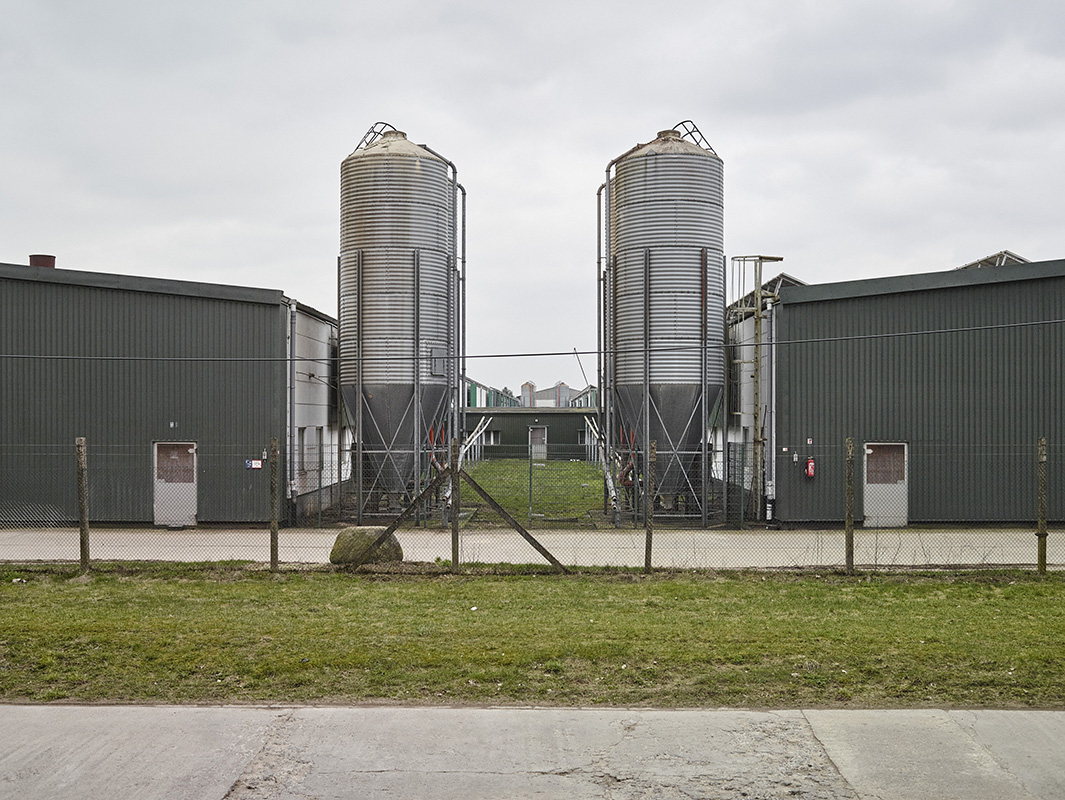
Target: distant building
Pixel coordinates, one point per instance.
(588, 397)
(550, 433)
(478, 395)
(558, 396)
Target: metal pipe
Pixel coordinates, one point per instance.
(462, 313)
(648, 498)
(611, 289)
(359, 402)
(600, 336)
(452, 345)
(771, 414)
(599, 310)
(340, 416)
(705, 412)
(292, 399)
(756, 423)
(726, 424)
(417, 399)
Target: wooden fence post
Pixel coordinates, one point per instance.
(275, 500)
(81, 449)
(1041, 524)
(850, 505)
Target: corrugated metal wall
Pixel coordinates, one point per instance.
(970, 404)
(109, 379)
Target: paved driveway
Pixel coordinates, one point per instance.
(236, 753)
(625, 547)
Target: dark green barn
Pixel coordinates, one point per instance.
(177, 387)
(559, 433)
(945, 381)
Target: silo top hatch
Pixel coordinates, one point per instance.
(394, 143)
(670, 142)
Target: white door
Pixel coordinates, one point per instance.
(886, 496)
(538, 443)
(175, 484)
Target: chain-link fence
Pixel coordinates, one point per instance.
(180, 502)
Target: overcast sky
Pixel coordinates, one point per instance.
(202, 140)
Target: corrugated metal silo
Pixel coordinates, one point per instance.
(399, 310)
(664, 307)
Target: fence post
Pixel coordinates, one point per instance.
(1041, 524)
(849, 529)
(455, 504)
(81, 451)
(275, 497)
(649, 503)
(530, 479)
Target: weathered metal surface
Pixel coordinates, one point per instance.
(398, 304)
(665, 312)
(127, 362)
(949, 363)
(394, 201)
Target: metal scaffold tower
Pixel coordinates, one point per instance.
(748, 368)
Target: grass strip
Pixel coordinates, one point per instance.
(764, 640)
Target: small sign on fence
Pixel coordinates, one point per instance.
(253, 463)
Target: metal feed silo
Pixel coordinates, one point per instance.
(663, 314)
(400, 312)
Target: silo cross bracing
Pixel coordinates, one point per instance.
(664, 311)
(400, 297)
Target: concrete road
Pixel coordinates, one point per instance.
(197, 753)
(700, 549)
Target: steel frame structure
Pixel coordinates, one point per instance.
(427, 440)
(695, 468)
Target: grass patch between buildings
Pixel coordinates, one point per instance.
(561, 490)
(188, 634)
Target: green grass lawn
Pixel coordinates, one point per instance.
(562, 491)
(227, 635)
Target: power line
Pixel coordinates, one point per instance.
(532, 353)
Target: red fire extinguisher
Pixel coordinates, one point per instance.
(809, 468)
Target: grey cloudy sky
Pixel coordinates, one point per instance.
(202, 140)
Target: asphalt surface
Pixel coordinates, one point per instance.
(299, 753)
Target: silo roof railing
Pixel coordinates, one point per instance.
(688, 129)
(377, 130)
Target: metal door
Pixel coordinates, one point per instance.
(886, 485)
(175, 484)
(538, 443)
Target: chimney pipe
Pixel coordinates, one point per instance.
(41, 260)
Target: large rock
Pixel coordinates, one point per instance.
(353, 543)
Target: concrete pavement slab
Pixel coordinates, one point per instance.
(912, 755)
(297, 753)
(682, 549)
(559, 753)
(97, 752)
(1027, 744)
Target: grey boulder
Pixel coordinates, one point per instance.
(352, 546)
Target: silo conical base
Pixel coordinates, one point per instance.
(397, 452)
(676, 426)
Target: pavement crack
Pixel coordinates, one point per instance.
(276, 768)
